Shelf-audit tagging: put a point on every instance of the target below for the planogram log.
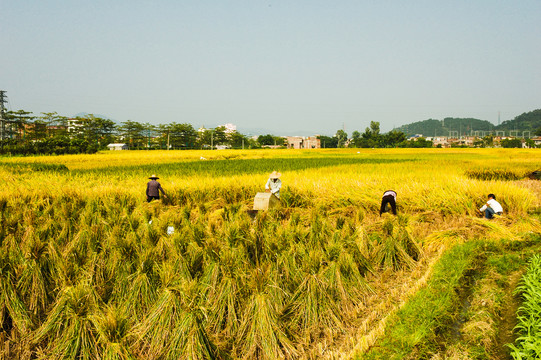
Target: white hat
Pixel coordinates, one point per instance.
(275, 175)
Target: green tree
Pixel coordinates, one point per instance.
(163, 131)
(511, 143)
(132, 133)
(18, 124)
(393, 139)
(374, 128)
(96, 130)
(265, 139)
(220, 136)
(355, 139)
(371, 137)
(417, 143)
(279, 141)
(488, 141)
(204, 137)
(253, 143)
(182, 136)
(530, 143)
(479, 143)
(57, 125)
(150, 132)
(237, 140)
(342, 138)
(37, 131)
(328, 142)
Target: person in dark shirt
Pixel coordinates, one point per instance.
(153, 189)
(389, 198)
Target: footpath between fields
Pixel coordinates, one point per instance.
(467, 310)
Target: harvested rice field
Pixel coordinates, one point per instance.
(90, 270)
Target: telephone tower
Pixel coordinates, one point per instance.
(3, 100)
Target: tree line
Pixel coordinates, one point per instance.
(51, 133)
(24, 133)
(372, 138)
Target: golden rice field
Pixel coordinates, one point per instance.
(89, 271)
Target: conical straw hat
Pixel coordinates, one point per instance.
(153, 177)
(275, 175)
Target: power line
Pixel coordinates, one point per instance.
(3, 100)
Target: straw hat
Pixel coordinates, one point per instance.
(153, 177)
(275, 175)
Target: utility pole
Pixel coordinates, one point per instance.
(3, 100)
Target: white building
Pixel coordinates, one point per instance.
(118, 146)
(230, 128)
(537, 140)
(303, 142)
(74, 126)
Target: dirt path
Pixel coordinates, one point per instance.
(508, 319)
(453, 340)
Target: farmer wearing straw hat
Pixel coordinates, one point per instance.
(153, 188)
(274, 184)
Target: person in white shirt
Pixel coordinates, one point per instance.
(492, 207)
(389, 198)
(274, 184)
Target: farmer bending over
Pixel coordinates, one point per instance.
(389, 198)
(153, 188)
(274, 184)
(491, 207)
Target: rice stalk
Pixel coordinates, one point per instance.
(68, 331)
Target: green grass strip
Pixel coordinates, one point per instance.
(528, 344)
(413, 326)
(239, 166)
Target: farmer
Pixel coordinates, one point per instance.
(274, 184)
(389, 198)
(153, 188)
(491, 207)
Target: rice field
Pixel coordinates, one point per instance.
(89, 270)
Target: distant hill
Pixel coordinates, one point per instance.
(529, 121)
(433, 127)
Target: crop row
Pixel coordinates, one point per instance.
(528, 344)
(90, 277)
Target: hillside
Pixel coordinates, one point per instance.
(433, 127)
(530, 121)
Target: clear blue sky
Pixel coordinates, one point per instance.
(284, 66)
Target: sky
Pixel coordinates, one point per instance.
(284, 67)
